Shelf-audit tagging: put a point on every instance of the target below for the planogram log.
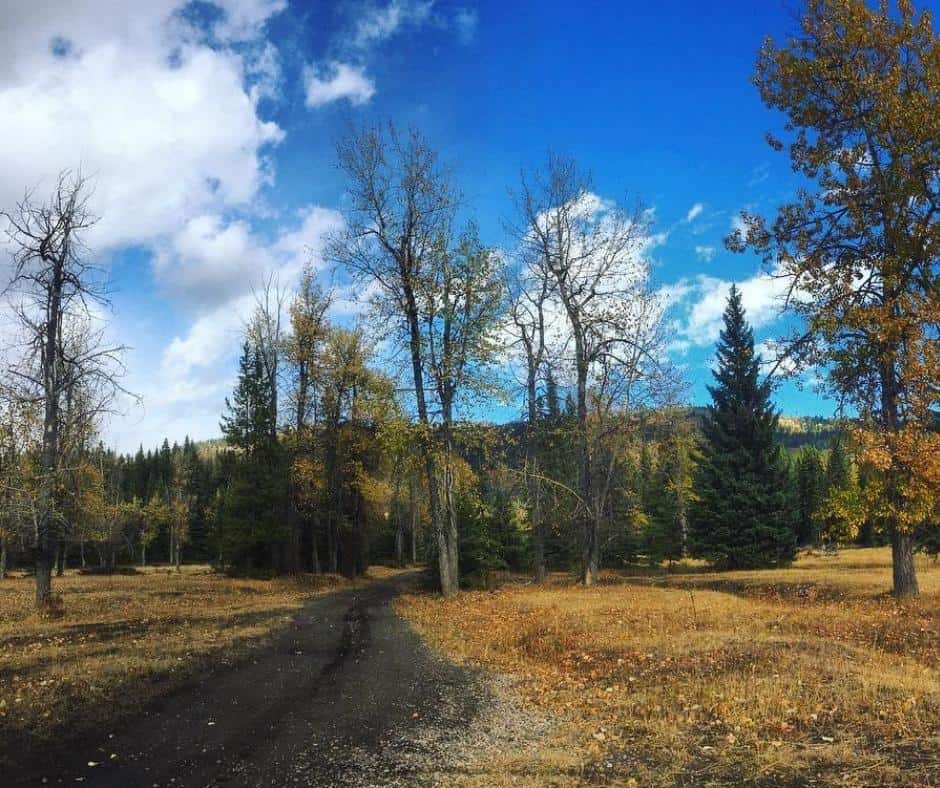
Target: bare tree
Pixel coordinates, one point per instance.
(399, 242)
(54, 290)
(607, 329)
(529, 296)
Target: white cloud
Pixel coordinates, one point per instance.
(167, 124)
(705, 253)
(337, 81)
(209, 267)
(699, 304)
(378, 23)
(211, 254)
(694, 212)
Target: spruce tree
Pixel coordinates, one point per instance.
(810, 490)
(741, 516)
(667, 503)
(250, 513)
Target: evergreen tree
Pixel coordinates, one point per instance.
(810, 489)
(668, 497)
(740, 518)
(251, 510)
(552, 399)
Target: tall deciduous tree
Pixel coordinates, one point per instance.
(435, 289)
(608, 326)
(54, 288)
(860, 88)
(740, 517)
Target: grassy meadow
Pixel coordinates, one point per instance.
(806, 675)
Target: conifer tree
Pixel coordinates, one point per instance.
(740, 518)
(668, 501)
(810, 488)
(250, 514)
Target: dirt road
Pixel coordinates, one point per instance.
(348, 695)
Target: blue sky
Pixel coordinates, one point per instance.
(209, 130)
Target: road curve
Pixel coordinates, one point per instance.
(347, 695)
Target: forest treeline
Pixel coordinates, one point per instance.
(347, 442)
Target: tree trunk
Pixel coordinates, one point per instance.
(538, 553)
(332, 550)
(81, 552)
(444, 533)
(314, 551)
(3, 557)
(589, 546)
(62, 560)
(448, 539)
(43, 577)
(293, 557)
(399, 543)
(55, 559)
(143, 555)
(413, 512)
(902, 555)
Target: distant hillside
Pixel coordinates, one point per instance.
(794, 433)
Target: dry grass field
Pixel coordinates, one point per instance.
(122, 639)
(808, 675)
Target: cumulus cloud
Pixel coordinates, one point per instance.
(337, 81)
(209, 263)
(699, 304)
(209, 268)
(137, 97)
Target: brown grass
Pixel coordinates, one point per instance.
(121, 640)
(811, 674)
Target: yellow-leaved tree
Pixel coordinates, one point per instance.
(860, 243)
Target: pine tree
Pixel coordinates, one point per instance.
(740, 518)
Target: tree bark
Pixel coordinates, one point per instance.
(445, 536)
(902, 555)
(314, 551)
(413, 514)
(399, 544)
(332, 549)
